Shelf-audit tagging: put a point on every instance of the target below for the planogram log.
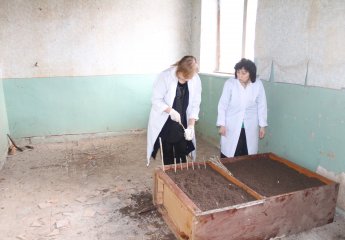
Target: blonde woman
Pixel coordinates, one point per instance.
(175, 101)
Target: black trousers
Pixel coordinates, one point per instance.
(178, 148)
(241, 148)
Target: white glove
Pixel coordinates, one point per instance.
(189, 133)
(175, 116)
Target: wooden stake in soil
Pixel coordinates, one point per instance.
(204, 163)
(187, 162)
(174, 158)
(191, 160)
(160, 142)
(181, 163)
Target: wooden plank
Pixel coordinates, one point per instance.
(271, 217)
(176, 208)
(170, 224)
(158, 189)
(179, 213)
(300, 169)
(236, 181)
(177, 191)
(155, 189)
(246, 157)
(159, 192)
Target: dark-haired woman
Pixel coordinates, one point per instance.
(242, 112)
(175, 101)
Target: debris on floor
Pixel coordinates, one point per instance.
(93, 188)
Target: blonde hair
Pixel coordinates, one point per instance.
(187, 66)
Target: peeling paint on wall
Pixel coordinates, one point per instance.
(290, 35)
(340, 178)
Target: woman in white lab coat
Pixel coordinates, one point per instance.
(242, 112)
(176, 101)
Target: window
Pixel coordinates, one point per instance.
(227, 33)
(235, 32)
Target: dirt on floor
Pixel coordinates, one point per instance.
(93, 188)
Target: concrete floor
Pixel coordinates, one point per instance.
(93, 188)
(333, 231)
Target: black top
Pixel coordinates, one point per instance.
(172, 131)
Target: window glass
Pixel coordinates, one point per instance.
(236, 32)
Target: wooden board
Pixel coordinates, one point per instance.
(236, 181)
(176, 208)
(271, 217)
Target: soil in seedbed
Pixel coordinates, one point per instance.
(268, 177)
(208, 189)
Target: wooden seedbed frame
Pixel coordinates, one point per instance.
(263, 218)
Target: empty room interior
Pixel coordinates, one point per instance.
(86, 100)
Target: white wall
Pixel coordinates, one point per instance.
(196, 28)
(301, 42)
(85, 37)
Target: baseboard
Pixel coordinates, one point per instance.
(72, 137)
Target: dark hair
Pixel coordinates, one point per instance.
(248, 66)
(188, 66)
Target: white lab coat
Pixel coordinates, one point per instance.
(163, 95)
(236, 105)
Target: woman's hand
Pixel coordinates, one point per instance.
(262, 132)
(222, 131)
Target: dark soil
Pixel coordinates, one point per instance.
(144, 212)
(268, 177)
(208, 189)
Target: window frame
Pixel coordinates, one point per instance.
(218, 36)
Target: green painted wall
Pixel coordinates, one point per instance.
(3, 127)
(211, 90)
(306, 124)
(75, 105)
